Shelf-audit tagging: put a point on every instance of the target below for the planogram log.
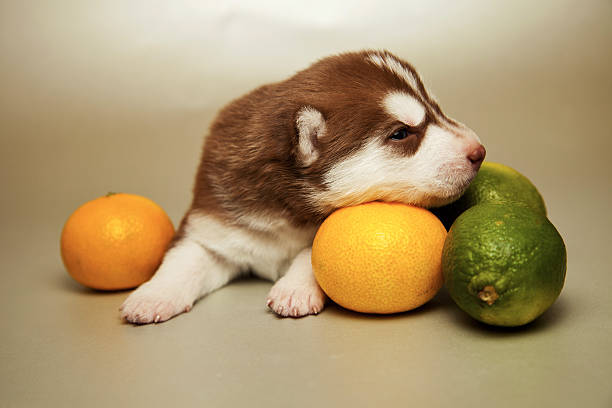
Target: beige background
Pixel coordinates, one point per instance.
(117, 95)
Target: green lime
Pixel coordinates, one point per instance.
(494, 182)
(503, 264)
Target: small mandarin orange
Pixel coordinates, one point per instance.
(115, 242)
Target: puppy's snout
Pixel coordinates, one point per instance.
(476, 156)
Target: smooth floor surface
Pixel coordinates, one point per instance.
(117, 96)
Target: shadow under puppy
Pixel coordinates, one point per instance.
(349, 129)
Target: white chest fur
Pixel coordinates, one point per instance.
(265, 246)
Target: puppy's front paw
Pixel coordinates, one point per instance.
(290, 297)
(152, 303)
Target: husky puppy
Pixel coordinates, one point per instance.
(349, 129)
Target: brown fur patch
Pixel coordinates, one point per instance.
(249, 162)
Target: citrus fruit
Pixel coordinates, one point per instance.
(379, 257)
(115, 242)
(503, 264)
(495, 182)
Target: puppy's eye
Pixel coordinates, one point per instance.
(399, 134)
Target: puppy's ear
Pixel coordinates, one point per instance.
(310, 125)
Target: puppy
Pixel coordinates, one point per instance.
(349, 129)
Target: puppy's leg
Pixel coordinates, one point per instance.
(297, 293)
(188, 272)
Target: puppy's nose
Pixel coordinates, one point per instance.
(477, 156)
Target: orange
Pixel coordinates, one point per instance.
(115, 242)
(379, 257)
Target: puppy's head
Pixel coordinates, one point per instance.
(371, 131)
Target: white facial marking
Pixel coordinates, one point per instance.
(390, 63)
(310, 124)
(469, 133)
(436, 174)
(404, 108)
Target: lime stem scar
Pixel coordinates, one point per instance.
(488, 294)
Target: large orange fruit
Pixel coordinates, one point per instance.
(379, 257)
(115, 242)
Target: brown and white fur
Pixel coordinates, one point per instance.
(349, 129)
